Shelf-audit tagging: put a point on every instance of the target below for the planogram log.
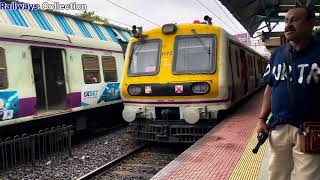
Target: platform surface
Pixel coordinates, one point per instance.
(226, 151)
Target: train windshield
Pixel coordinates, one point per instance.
(194, 54)
(144, 59)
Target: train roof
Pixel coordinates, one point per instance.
(243, 44)
(15, 33)
(192, 25)
(182, 25)
(50, 20)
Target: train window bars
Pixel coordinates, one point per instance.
(91, 70)
(194, 54)
(145, 58)
(3, 70)
(109, 69)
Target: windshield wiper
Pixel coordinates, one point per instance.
(206, 48)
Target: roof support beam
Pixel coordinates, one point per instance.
(298, 3)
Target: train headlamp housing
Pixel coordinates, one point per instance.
(134, 90)
(200, 88)
(169, 28)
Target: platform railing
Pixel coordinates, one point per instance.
(38, 146)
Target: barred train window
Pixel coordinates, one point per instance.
(109, 69)
(3, 70)
(145, 58)
(194, 54)
(91, 70)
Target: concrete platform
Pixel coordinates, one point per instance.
(226, 151)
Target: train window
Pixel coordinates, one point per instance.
(237, 62)
(194, 54)
(109, 69)
(3, 70)
(91, 70)
(144, 58)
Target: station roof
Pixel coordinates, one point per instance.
(251, 13)
(71, 25)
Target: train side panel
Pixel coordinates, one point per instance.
(34, 59)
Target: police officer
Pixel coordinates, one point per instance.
(303, 53)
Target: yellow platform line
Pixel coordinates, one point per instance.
(249, 164)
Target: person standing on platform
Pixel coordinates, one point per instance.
(303, 53)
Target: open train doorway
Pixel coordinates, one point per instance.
(49, 79)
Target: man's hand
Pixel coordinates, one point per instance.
(262, 126)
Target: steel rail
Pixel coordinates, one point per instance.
(103, 168)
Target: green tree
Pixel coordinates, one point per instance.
(91, 16)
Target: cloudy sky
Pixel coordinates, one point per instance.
(157, 11)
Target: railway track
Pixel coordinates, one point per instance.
(141, 163)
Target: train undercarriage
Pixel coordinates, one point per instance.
(173, 131)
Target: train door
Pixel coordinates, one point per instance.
(235, 65)
(49, 79)
(244, 72)
(255, 70)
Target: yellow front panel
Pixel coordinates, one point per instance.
(165, 74)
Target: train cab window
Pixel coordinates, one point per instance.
(91, 70)
(3, 70)
(109, 69)
(144, 58)
(194, 54)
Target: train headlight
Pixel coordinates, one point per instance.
(169, 28)
(200, 88)
(129, 113)
(134, 90)
(191, 115)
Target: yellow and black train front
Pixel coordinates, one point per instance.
(170, 86)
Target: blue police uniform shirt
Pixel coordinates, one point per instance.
(304, 75)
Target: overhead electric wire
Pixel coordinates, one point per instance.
(226, 14)
(133, 13)
(215, 15)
